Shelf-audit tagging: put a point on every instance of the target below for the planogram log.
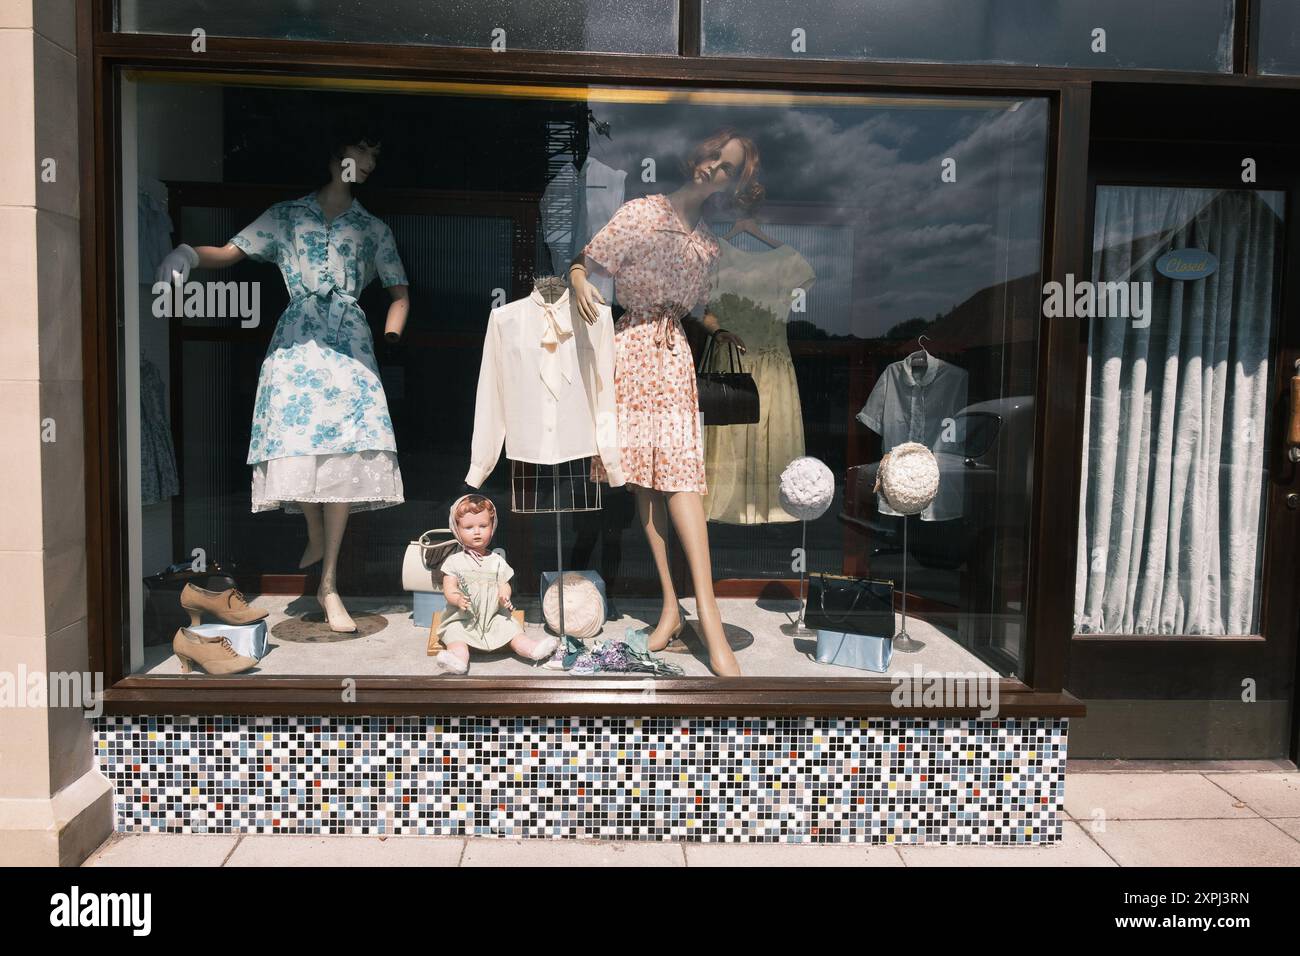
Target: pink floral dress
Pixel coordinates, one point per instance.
(663, 272)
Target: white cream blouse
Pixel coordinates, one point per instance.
(545, 388)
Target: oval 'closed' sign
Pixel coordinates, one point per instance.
(1187, 264)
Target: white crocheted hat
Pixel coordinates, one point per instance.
(807, 488)
(909, 477)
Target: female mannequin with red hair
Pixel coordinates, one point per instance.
(663, 255)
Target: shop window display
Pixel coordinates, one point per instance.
(373, 305)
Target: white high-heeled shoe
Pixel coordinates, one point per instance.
(336, 615)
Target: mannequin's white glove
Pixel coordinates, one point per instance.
(178, 262)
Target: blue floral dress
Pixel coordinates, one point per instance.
(321, 430)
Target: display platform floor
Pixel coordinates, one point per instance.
(398, 646)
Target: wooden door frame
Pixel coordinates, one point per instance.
(1198, 668)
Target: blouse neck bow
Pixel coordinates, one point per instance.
(558, 361)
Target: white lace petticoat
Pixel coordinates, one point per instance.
(366, 480)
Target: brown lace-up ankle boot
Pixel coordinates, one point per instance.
(227, 606)
(213, 654)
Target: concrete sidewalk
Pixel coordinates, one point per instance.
(1116, 814)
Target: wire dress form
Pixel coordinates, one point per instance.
(558, 489)
(555, 489)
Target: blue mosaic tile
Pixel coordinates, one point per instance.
(759, 780)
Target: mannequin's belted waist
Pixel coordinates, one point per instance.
(663, 316)
(337, 302)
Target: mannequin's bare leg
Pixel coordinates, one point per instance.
(654, 521)
(336, 521)
(687, 510)
(315, 549)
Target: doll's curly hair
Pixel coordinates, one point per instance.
(748, 192)
(473, 504)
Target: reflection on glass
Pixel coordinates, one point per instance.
(1109, 34)
(1277, 37)
(1172, 498)
(597, 26)
(882, 286)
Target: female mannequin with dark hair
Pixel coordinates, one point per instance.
(322, 441)
(663, 255)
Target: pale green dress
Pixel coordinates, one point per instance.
(487, 625)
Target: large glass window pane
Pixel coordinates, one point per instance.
(880, 267)
(1277, 32)
(1102, 34)
(598, 26)
(1175, 471)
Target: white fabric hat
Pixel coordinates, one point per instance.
(909, 477)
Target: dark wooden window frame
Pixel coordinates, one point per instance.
(1059, 380)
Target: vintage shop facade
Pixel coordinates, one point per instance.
(1073, 160)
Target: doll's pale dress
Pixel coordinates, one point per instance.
(486, 625)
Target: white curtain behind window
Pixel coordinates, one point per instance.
(1173, 473)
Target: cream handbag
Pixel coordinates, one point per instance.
(423, 560)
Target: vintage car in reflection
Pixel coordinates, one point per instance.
(968, 572)
(992, 467)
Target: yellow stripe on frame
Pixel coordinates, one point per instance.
(592, 94)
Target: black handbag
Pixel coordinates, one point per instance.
(163, 614)
(852, 605)
(726, 398)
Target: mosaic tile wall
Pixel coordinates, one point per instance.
(713, 780)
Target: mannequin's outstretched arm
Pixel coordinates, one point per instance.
(219, 257)
(178, 263)
(398, 310)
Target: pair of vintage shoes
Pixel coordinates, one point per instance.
(214, 654)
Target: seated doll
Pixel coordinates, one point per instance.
(476, 584)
